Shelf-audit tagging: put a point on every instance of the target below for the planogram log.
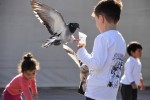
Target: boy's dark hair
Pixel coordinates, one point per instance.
(133, 46)
(110, 9)
(28, 63)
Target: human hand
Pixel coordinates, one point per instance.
(133, 85)
(142, 87)
(35, 96)
(81, 44)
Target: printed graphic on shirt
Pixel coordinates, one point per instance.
(115, 71)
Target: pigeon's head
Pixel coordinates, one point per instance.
(73, 27)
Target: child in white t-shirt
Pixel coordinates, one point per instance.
(132, 77)
(109, 48)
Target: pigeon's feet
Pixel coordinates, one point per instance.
(48, 42)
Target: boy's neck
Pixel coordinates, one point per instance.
(109, 26)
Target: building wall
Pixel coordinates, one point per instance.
(21, 32)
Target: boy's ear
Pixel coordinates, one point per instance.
(132, 53)
(101, 18)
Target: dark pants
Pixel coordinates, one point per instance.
(128, 93)
(87, 98)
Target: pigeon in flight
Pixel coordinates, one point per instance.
(84, 71)
(60, 32)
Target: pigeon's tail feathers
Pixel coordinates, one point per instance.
(48, 42)
(72, 54)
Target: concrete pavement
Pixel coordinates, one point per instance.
(71, 94)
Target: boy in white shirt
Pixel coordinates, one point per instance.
(132, 75)
(109, 48)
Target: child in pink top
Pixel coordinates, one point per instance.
(23, 81)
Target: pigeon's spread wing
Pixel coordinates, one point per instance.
(49, 17)
(72, 54)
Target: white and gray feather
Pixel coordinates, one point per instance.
(84, 71)
(54, 22)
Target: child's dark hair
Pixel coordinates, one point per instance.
(28, 63)
(133, 46)
(110, 9)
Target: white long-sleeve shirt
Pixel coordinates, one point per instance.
(132, 72)
(104, 63)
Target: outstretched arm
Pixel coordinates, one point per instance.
(27, 93)
(34, 88)
(97, 59)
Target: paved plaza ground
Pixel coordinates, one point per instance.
(71, 94)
